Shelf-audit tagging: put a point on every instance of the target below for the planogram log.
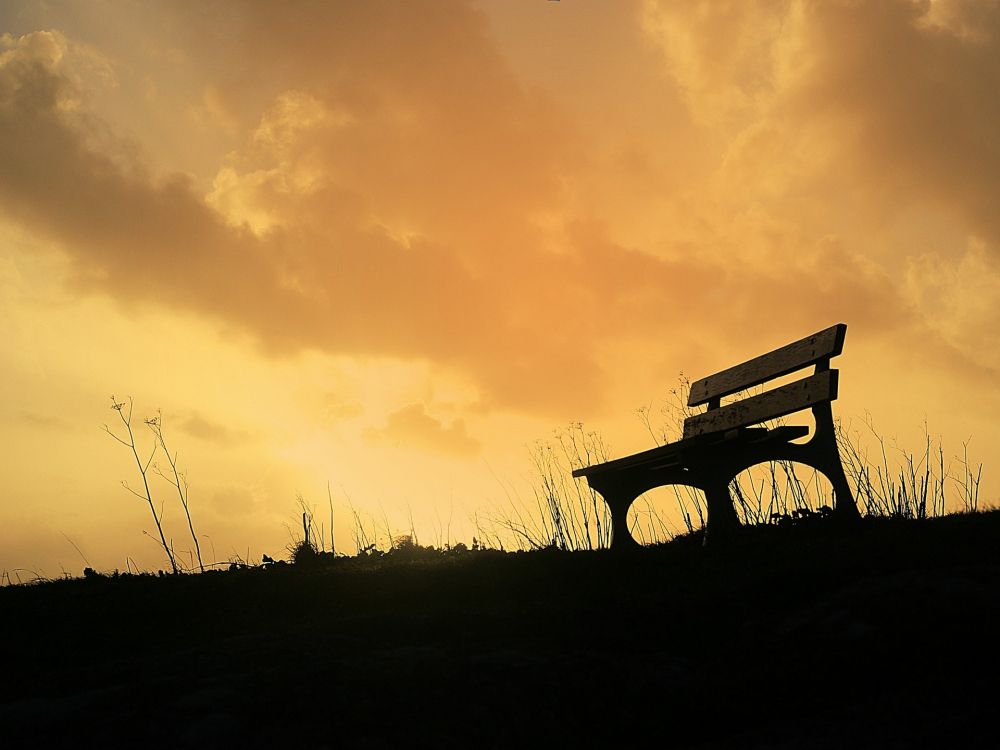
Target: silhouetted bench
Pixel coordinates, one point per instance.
(721, 442)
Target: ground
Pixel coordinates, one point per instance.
(877, 636)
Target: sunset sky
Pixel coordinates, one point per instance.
(388, 245)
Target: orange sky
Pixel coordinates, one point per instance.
(390, 244)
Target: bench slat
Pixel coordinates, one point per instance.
(768, 405)
(808, 351)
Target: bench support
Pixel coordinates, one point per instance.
(619, 519)
(713, 468)
(721, 521)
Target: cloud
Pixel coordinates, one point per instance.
(888, 103)
(198, 426)
(412, 426)
(336, 409)
(45, 421)
(233, 500)
(720, 54)
(331, 273)
(337, 267)
(400, 193)
(869, 125)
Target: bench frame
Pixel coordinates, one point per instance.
(721, 442)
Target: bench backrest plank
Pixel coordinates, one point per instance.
(808, 351)
(772, 404)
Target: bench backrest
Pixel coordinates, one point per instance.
(816, 350)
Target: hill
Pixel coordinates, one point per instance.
(884, 636)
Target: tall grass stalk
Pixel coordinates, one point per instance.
(126, 418)
(176, 478)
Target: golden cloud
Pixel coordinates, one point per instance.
(401, 193)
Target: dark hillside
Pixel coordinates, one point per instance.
(886, 637)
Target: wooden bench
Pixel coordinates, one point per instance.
(722, 442)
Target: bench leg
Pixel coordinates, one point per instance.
(827, 459)
(619, 500)
(845, 506)
(619, 496)
(621, 538)
(722, 521)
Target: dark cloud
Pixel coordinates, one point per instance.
(912, 97)
(469, 288)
